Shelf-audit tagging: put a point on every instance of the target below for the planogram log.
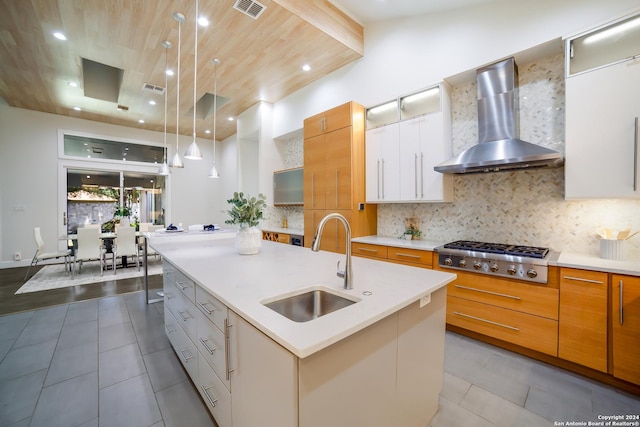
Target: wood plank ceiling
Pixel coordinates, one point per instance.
(260, 58)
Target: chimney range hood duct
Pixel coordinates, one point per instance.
(499, 147)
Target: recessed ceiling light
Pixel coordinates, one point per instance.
(230, 118)
(306, 67)
(169, 72)
(72, 84)
(140, 121)
(77, 108)
(89, 176)
(203, 21)
(152, 102)
(207, 131)
(59, 36)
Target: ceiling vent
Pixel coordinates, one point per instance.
(249, 7)
(158, 90)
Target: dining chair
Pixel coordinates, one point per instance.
(90, 248)
(149, 228)
(144, 226)
(126, 244)
(40, 255)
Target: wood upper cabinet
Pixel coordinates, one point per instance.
(582, 335)
(315, 175)
(328, 121)
(625, 321)
(334, 181)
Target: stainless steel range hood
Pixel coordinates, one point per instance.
(499, 147)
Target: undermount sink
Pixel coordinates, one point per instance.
(309, 305)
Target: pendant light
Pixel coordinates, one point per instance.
(176, 162)
(193, 152)
(164, 168)
(213, 173)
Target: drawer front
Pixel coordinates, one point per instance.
(536, 333)
(211, 344)
(168, 273)
(412, 256)
(186, 286)
(538, 300)
(214, 394)
(182, 345)
(211, 307)
(183, 310)
(369, 251)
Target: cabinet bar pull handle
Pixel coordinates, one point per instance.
(375, 251)
(169, 295)
(621, 302)
(168, 329)
(383, 178)
(580, 279)
(415, 169)
(185, 318)
(205, 390)
(203, 305)
(181, 285)
(378, 178)
(498, 294)
(422, 175)
(336, 188)
(227, 349)
(209, 349)
(635, 157)
(407, 255)
(486, 321)
(186, 359)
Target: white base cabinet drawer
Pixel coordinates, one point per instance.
(211, 344)
(183, 310)
(211, 307)
(182, 345)
(214, 393)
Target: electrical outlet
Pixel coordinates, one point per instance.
(425, 300)
(17, 256)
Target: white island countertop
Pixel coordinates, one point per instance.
(242, 282)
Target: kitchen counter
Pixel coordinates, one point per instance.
(243, 282)
(560, 259)
(593, 262)
(425, 245)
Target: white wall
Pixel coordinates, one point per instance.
(29, 178)
(408, 54)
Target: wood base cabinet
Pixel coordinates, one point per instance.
(582, 337)
(625, 326)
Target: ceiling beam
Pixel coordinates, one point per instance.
(329, 19)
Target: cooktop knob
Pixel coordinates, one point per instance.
(532, 273)
(462, 263)
(512, 270)
(448, 261)
(477, 265)
(493, 268)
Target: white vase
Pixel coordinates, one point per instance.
(248, 240)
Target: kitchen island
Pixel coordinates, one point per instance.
(377, 362)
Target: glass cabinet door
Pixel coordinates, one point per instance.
(603, 46)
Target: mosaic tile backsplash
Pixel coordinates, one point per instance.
(521, 207)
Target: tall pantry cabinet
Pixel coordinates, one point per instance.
(334, 176)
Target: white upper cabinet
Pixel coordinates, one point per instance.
(401, 154)
(383, 164)
(602, 112)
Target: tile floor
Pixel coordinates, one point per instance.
(107, 362)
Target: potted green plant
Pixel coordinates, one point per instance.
(412, 232)
(246, 212)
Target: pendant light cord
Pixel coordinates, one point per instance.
(178, 94)
(166, 89)
(195, 75)
(215, 108)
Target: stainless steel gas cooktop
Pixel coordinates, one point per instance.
(499, 259)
